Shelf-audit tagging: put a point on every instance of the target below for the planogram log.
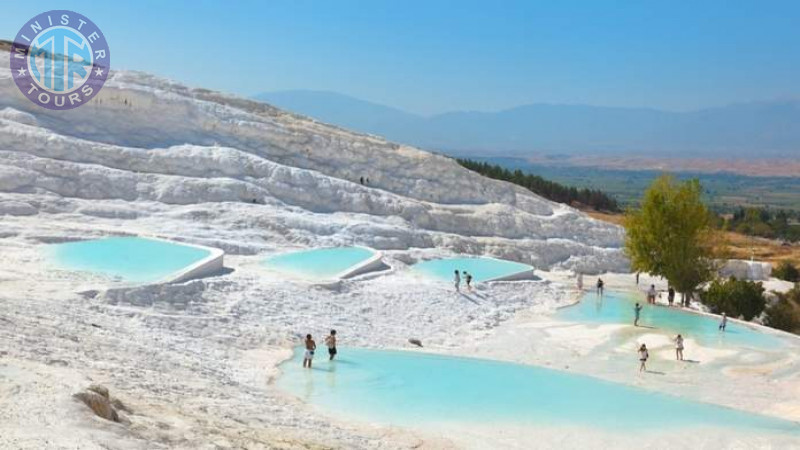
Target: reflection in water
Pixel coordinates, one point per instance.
(309, 375)
(308, 385)
(331, 375)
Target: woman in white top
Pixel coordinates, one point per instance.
(643, 355)
(679, 347)
(651, 294)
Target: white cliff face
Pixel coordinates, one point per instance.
(146, 139)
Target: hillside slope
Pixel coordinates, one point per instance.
(196, 361)
(145, 139)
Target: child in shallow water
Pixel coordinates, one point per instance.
(311, 346)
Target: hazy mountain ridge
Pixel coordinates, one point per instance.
(765, 129)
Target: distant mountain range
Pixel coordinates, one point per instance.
(757, 129)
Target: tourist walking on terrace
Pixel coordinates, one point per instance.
(651, 294)
(670, 295)
(457, 281)
(311, 346)
(468, 277)
(643, 355)
(600, 286)
(330, 341)
(724, 322)
(636, 310)
(679, 347)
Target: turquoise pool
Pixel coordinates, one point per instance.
(132, 259)
(481, 268)
(321, 263)
(619, 308)
(406, 388)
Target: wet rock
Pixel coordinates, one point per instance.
(102, 390)
(119, 406)
(416, 342)
(98, 399)
(100, 405)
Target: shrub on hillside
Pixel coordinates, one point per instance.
(787, 271)
(784, 314)
(736, 298)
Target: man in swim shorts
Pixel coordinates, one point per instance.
(310, 347)
(330, 341)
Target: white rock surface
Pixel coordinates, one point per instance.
(146, 139)
(195, 361)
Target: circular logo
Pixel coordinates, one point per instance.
(60, 59)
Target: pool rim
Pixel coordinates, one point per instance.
(523, 275)
(361, 268)
(203, 267)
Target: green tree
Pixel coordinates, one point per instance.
(784, 314)
(737, 298)
(671, 234)
(787, 271)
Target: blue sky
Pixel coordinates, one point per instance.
(435, 56)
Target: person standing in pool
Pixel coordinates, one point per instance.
(469, 281)
(643, 355)
(600, 287)
(311, 346)
(330, 341)
(679, 347)
(636, 310)
(724, 322)
(651, 294)
(457, 281)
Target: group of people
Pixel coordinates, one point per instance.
(679, 346)
(652, 294)
(311, 347)
(644, 354)
(467, 280)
